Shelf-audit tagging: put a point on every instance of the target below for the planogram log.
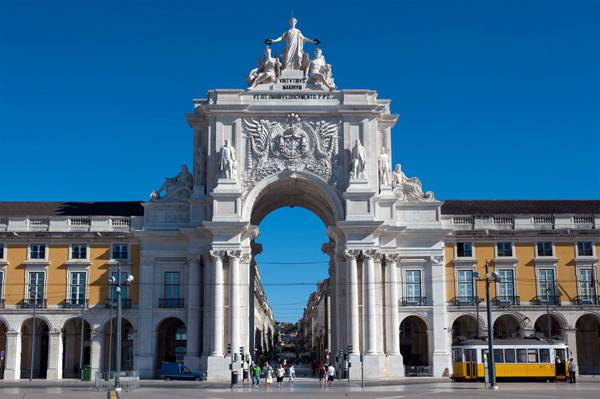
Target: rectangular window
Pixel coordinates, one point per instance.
(546, 286)
(458, 355)
(413, 286)
(504, 249)
(544, 355)
(509, 356)
(36, 287)
(78, 286)
(532, 356)
(521, 355)
(464, 250)
(465, 285)
(584, 248)
(1, 283)
(585, 283)
(120, 252)
(1, 251)
(506, 286)
(79, 251)
(544, 248)
(172, 287)
(498, 355)
(37, 251)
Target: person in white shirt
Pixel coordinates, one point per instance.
(292, 372)
(330, 375)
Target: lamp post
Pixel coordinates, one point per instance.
(548, 311)
(477, 277)
(81, 343)
(33, 300)
(491, 366)
(118, 284)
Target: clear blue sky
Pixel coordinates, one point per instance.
(498, 99)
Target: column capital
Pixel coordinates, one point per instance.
(437, 259)
(217, 254)
(351, 253)
(392, 257)
(235, 254)
(370, 253)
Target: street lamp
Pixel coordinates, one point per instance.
(117, 283)
(548, 310)
(477, 278)
(32, 294)
(489, 277)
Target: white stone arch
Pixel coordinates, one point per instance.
(5, 322)
(424, 318)
(453, 317)
(335, 208)
(37, 316)
(520, 319)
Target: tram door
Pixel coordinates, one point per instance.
(471, 363)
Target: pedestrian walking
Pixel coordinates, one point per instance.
(245, 369)
(330, 375)
(292, 372)
(572, 371)
(269, 376)
(322, 375)
(280, 372)
(256, 372)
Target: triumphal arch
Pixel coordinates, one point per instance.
(293, 137)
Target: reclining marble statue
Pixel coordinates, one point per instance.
(320, 72)
(183, 180)
(267, 70)
(409, 188)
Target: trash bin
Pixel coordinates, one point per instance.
(234, 377)
(87, 373)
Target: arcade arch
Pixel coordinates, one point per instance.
(414, 342)
(588, 343)
(556, 324)
(40, 350)
(110, 345)
(71, 336)
(3, 331)
(465, 327)
(507, 326)
(171, 341)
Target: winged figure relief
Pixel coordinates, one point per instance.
(327, 143)
(260, 133)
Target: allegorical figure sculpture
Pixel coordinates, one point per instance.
(293, 53)
(320, 72)
(266, 72)
(359, 159)
(184, 179)
(385, 168)
(227, 161)
(410, 188)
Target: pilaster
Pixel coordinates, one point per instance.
(55, 354)
(12, 370)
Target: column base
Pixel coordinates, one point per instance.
(372, 367)
(145, 366)
(193, 362)
(217, 368)
(394, 366)
(441, 364)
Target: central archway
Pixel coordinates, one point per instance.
(40, 349)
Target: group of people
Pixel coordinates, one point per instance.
(326, 375)
(267, 372)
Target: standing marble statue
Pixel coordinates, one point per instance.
(359, 159)
(385, 168)
(184, 179)
(227, 161)
(266, 72)
(293, 53)
(319, 72)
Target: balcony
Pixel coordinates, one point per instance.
(553, 300)
(172, 303)
(413, 301)
(506, 301)
(125, 303)
(29, 303)
(586, 300)
(73, 303)
(465, 300)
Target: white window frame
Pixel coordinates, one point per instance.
(113, 269)
(28, 271)
(459, 258)
(46, 251)
(112, 259)
(4, 250)
(512, 245)
(404, 281)
(594, 275)
(164, 286)
(514, 272)
(553, 256)
(473, 282)
(593, 256)
(69, 285)
(537, 281)
(87, 252)
(2, 291)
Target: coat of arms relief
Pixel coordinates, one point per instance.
(291, 144)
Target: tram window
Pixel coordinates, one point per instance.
(509, 355)
(498, 355)
(484, 353)
(532, 356)
(544, 355)
(521, 355)
(458, 355)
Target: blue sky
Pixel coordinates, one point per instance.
(497, 99)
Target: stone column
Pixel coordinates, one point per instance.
(353, 319)
(192, 355)
(441, 347)
(571, 340)
(12, 369)
(218, 303)
(145, 346)
(369, 286)
(55, 354)
(234, 300)
(96, 340)
(392, 324)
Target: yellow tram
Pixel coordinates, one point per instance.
(515, 358)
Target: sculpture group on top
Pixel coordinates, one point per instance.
(316, 72)
(176, 188)
(409, 188)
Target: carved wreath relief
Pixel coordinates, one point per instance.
(293, 144)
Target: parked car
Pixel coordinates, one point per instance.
(179, 371)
